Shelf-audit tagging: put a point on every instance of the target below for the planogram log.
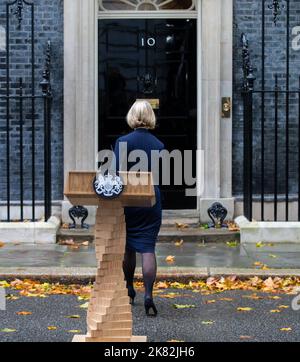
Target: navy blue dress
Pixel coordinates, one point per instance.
(142, 224)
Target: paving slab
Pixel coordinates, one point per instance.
(86, 275)
(190, 259)
(31, 258)
(167, 234)
(253, 272)
(285, 255)
(198, 234)
(273, 248)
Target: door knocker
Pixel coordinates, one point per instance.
(148, 83)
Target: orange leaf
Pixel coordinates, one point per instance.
(226, 299)
(67, 242)
(179, 243)
(181, 226)
(162, 285)
(244, 309)
(275, 297)
(253, 296)
(232, 226)
(170, 259)
(283, 307)
(169, 296)
(211, 301)
(24, 313)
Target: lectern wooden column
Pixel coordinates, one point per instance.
(109, 317)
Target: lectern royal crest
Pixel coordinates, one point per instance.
(109, 317)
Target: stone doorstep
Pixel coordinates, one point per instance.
(30, 232)
(78, 235)
(167, 235)
(268, 232)
(198, 235)
(171, 221)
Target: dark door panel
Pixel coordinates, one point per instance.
(163, 51)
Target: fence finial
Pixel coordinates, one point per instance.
(45, 83)
(18, 12)
(248, 77)
(277, 8)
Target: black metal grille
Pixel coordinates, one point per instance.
(22, 103)
(271, 107)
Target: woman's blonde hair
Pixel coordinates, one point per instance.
(141, 115)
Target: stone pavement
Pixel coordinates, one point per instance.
(168, 233)
(190, 260)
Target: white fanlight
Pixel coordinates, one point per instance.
(146, 5)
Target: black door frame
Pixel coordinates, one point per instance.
(159, 15)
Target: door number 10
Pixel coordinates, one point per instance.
(149, 41)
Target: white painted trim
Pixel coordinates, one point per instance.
(96, 87)
(199, 91)
(158, 14)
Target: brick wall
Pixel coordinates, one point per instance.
(48, 25)
(247, 19)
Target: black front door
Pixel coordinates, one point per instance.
(152, 59)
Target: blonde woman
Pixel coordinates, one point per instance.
(142, 224)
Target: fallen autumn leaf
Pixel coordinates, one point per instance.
(207, 322)
(7, 330)
(183, 306)
(170, 259)
(244, 309)
(74, 331)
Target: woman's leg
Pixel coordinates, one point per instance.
(149, 273)
(129, 265)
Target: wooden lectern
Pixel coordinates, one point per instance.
(109, 317)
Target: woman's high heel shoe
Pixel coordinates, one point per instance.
(131, 295)
(149, 304)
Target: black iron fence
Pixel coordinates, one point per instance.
(271, 111)
(25, 116)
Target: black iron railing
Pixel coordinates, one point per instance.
(273, 119)
(15, 93)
